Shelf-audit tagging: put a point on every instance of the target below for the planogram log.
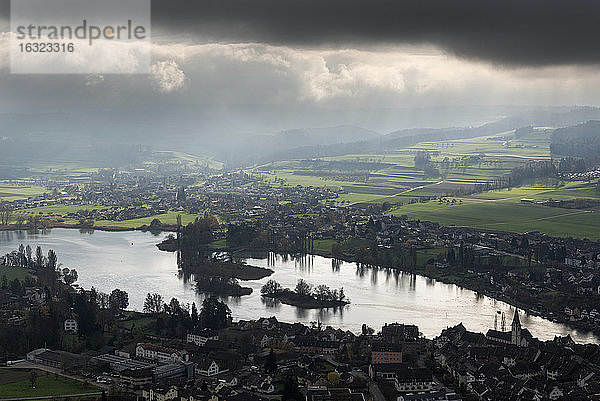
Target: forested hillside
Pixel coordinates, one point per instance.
(581, 140)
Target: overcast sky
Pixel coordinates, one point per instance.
(341, 54)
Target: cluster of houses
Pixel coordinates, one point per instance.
(517, 366)
(329, 364)
(326, 364)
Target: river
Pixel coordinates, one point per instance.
(131, 262)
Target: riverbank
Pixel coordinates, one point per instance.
(482, 287)
(464, 280)
(75, 226)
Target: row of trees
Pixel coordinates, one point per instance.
(46, 267)
(213, 314)
(253, 236)
(24, 257)
(217, 285)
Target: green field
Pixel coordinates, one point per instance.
(571, 190)
(12, 273)
(533, 145)
(10, 191)
(324, 246)
(16, 383)
(59, 211)
(165, 218)
(507, 216)
(393, 177)
(138, 320)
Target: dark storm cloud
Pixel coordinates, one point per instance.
(522, 32)
(513, 32)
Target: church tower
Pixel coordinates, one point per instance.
(516, 330)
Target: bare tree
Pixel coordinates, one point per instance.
(6, 212)
(303, 288)
(153, 303)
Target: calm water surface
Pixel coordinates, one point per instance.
(130, 261)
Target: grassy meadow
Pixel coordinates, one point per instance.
(393, 177)
(16, 383)
(12, 273)
(10, 191)
(505, 215)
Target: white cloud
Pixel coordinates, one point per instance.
(249, 73)
(380, 78)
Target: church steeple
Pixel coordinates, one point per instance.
(516, 322)
(516, 329)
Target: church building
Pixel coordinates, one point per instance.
(516, 336)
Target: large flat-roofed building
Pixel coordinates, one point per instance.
(405, 378)
(56, 359)
(119, 363)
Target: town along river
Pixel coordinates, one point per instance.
(131, 262)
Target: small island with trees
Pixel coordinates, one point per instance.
(214, 273)
(305, 296)
(223, 266)
(221, 286)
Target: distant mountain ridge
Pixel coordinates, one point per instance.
(412, 136)
(256, 147)
(102, 134)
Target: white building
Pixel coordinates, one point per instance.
(157, 353)
(200, 338)
(209, 367)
